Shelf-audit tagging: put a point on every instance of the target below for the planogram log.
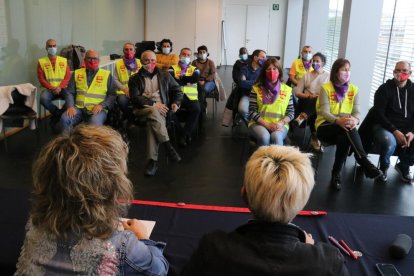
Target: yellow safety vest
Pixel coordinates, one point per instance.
(88, 97)
(275, 111)
(337, 109)
(54, 77)
(190, 89)
(300, 68)
(123, 73)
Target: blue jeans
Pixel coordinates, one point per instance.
(123, 102)
(264, 137)
(209, 87)
(244, 108)
(47, 98)
(84, 115)
(385, 142)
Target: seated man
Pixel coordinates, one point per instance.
(53, 73)
(301, 66)
(207, 68)
(90, 93)
(278, 181)
(124, 68)
(389, 124)
(154, 93)
(186, 76)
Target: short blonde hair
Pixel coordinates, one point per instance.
(78, 179)
(278, 181)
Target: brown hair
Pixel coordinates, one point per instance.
(261, 79)
(340, 62)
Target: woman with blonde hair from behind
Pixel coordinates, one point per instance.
(278, 181)
(80, 191)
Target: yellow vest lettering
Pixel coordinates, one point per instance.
(190, 89)
(336, 108)
(123, 73)
(88, 97)
(54, 77)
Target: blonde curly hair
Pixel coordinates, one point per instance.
(80, 183)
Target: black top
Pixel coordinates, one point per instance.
(264, 248)
(236, 70)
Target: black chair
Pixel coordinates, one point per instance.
(16, 115)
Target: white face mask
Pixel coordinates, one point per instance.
(166, 51)
(202, 56)
(52, 51)
(307, 56)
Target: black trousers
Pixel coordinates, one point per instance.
(344, 140)
(308, 106)
(189, 113)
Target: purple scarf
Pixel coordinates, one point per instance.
(183, 67)
(131, 64)
(271, 92)
(307, 64)
(340, 91)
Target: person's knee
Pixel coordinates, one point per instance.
(46, 97)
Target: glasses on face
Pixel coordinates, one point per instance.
(405, 71)
(92, 58)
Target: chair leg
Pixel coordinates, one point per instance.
(5, 139)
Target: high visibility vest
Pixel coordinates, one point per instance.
(337, 109)
(123, 73)
(54, 77)
(275, 111)
(190, 89)
(88, 97)
(300, 68)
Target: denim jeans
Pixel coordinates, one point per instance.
(209, 87)
(384, 143)
(123, 102)
(47, 98)
(244, 108)
(67, 123)
(264, 137)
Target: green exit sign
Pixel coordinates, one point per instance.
(275, 7)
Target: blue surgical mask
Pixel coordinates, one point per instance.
(52, 51)
(307, 56)
(185, 60)
(166, 51)
(243, 57)
(202, 56)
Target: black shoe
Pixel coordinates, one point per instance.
(188, 139)
(384, 177)
(151, 168)
(171, 152)
(404, 173)
(370, 170)
(182, 142)
(336, 181)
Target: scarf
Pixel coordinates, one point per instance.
(340, 91)
(271, 91)
(307, 64)
(183, 67)
(131, 64)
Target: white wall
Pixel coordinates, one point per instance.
(187, 23)
(293, 32)
(359, 44)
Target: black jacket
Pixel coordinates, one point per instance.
(263, 248)
(170, 91)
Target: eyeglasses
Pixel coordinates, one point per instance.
(92, 58)
(405, 71)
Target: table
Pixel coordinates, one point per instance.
(181, 226)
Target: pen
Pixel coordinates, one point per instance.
(336, 243)
(348, 249)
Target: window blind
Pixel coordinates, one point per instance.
(333, 32)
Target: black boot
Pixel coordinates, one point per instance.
(336, 181)
(383, 178)
(171, 152)
(369, 169)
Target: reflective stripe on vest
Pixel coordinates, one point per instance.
(190, 90)
(54, 77)
(94, 94)
(300, 68)
(337, 109)
(122, 71)
(275, 111)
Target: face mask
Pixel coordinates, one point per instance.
(149, 67)
(185, 60)
(92, 64)
(52, 51)
(316, 66)
(166, 51)
(272, 75)
(202, 56)
(307, 56)
(243, 57)
(261, 61)
(401, 76)
(344, 76)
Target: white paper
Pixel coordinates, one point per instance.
(149, 225)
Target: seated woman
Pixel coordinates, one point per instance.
(80, 191)
(277, 183)
(338, 115)
(165, 57)
(307, 91)
(271, 105)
